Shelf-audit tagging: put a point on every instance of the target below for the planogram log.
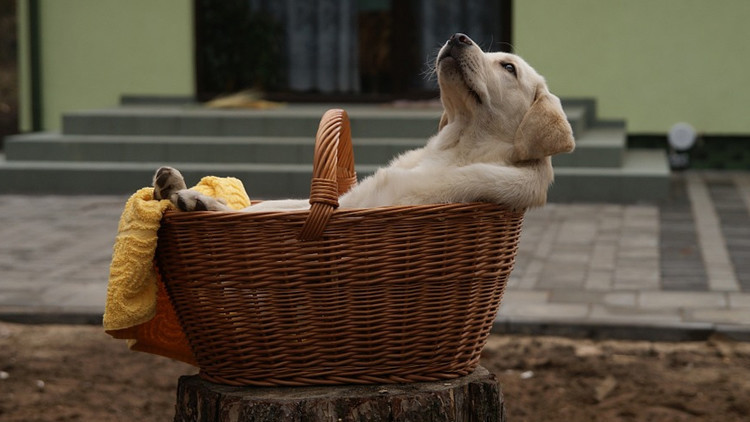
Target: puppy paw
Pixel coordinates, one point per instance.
(167, 182)
(190, 200)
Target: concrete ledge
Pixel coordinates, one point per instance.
(31, 315)
(644, 177)
(620, 330)
(596, 147)
(571, 329)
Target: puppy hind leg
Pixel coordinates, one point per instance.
(190, 200)
(167, 181)
(169, 184)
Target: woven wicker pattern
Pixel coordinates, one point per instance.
(380, 295)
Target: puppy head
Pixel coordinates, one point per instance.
(502, 99)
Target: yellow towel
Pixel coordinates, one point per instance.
(137, 307)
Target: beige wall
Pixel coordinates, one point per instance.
(652, 62)
(93, 51)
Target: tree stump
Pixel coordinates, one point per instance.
(475, 397)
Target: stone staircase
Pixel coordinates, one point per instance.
(115, 151)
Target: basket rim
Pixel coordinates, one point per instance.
(174, 214)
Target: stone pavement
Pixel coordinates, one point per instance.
(676, 270)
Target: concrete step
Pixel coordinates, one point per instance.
(643, 177)
(601, 147)
(117, 150)
(596, 147)
(262, 181)
(577, 118)
(188, 149)
(291, 121)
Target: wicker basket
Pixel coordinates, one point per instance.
(333, 296)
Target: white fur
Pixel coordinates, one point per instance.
(471, 158)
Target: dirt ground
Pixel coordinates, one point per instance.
(77, 373)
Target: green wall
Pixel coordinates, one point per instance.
(652, 62)
(93, 51)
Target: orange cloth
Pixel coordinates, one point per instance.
(162, 334)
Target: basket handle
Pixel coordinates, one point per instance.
(333, 171)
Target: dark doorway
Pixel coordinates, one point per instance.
(399, 39)
(335, 50)
(237, 48)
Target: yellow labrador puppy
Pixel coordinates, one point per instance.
(497, 133)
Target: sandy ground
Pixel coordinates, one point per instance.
(77, 373)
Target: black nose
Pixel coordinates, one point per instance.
(459, 38)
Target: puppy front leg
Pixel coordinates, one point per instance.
(408, 159)
(514, 187)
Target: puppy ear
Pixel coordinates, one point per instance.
(544, 130)
(443, 121)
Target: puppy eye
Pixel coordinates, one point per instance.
(509, 67)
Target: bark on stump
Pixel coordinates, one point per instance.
(475, 397)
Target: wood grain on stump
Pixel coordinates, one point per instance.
(475, 397)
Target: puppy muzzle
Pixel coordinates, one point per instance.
(455, 46)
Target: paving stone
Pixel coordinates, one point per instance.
(734, 218)
(638, 253)
(634, 284)
(681, 269)
(609, 237)
(627, 299)
(641, 240)
(684, 283)
(636, 274)
(548, 311)
(599, 280)
(577, 232)
(574, 296)
(562, 275)
(611, 224)
(523, 297)
(622, 299)
(568, 256)
(545, 244)
(686, 300)
(603, 256)
(739, 300)
(649, 265)
(715, 255)
(632, 315)
(513, 282)
(90, 295)
(642, 225)
(531, 276)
